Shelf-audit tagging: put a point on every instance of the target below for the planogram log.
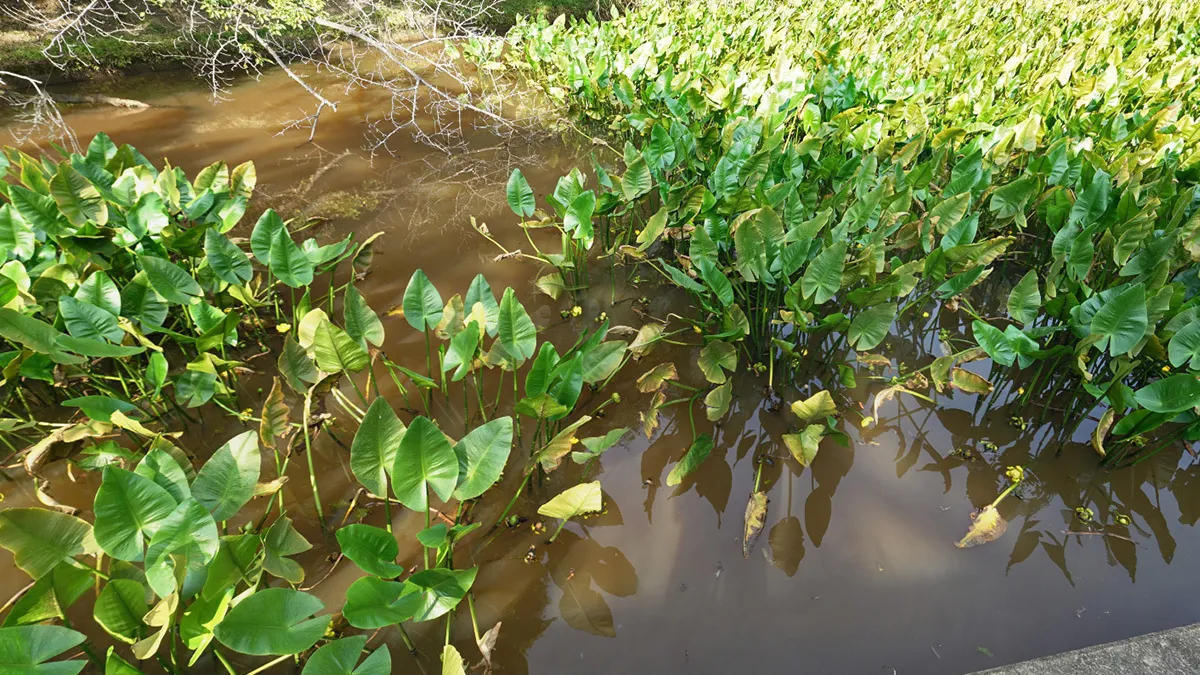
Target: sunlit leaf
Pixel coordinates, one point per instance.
(815, 407)
(574, 501)
(226, 481)
(40, 539)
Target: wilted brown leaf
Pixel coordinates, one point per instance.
(653, 379)
(275, 413)
(969, 382)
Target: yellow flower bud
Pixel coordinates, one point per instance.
(283, 328)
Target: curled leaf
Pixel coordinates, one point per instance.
(969, 382)
(756, 519)
(274, 423)
(1101, 431)
(656, 377)
(647, 338)
(487, 644)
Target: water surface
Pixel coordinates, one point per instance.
(856, 571)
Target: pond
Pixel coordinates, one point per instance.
(856, 570)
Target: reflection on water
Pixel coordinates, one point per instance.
(856, 571)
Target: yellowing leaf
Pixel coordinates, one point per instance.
(656, 377)
(274, 424)
(1101, 431)
(650, 415)
(986, 526)
(647, 338)
(756, 519)
(815, 407)
(574, 501)
(716, 403)
(804, 445)
(551, 455)
(969, 382)
(552, 285)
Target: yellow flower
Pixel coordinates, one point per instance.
(283, 328)
(925, 314)
(1015, 473)
(576, 310)
(1166, 369)
(697, 329)
(1020, 391)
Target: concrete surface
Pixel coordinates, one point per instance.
(1171, 652)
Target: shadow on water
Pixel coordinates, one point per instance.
(856, 571)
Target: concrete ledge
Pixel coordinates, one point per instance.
(1171, 652)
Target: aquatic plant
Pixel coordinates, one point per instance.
(139, 267)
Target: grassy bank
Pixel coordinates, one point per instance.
(21, 51)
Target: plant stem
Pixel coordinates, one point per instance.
(312, 474)
(474, 620)
(267, 665)
(513, 501)
(412, 649)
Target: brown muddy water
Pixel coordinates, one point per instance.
(856, 571)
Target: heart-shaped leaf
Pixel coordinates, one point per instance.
(171, 281)
(40, 539)
(273, 621)
(362, 323)
(282, 540)
(519, 194)
(374, 603)
(518, 335)
(373, 549)
(28, 650)
(226, 481)
(227, 261)
(119, 609)
(422, 303)
(373, 450)
(340, 657)
(482, 455)
(440, 590)
(424, 462)
(574, 501)
(129, 508)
